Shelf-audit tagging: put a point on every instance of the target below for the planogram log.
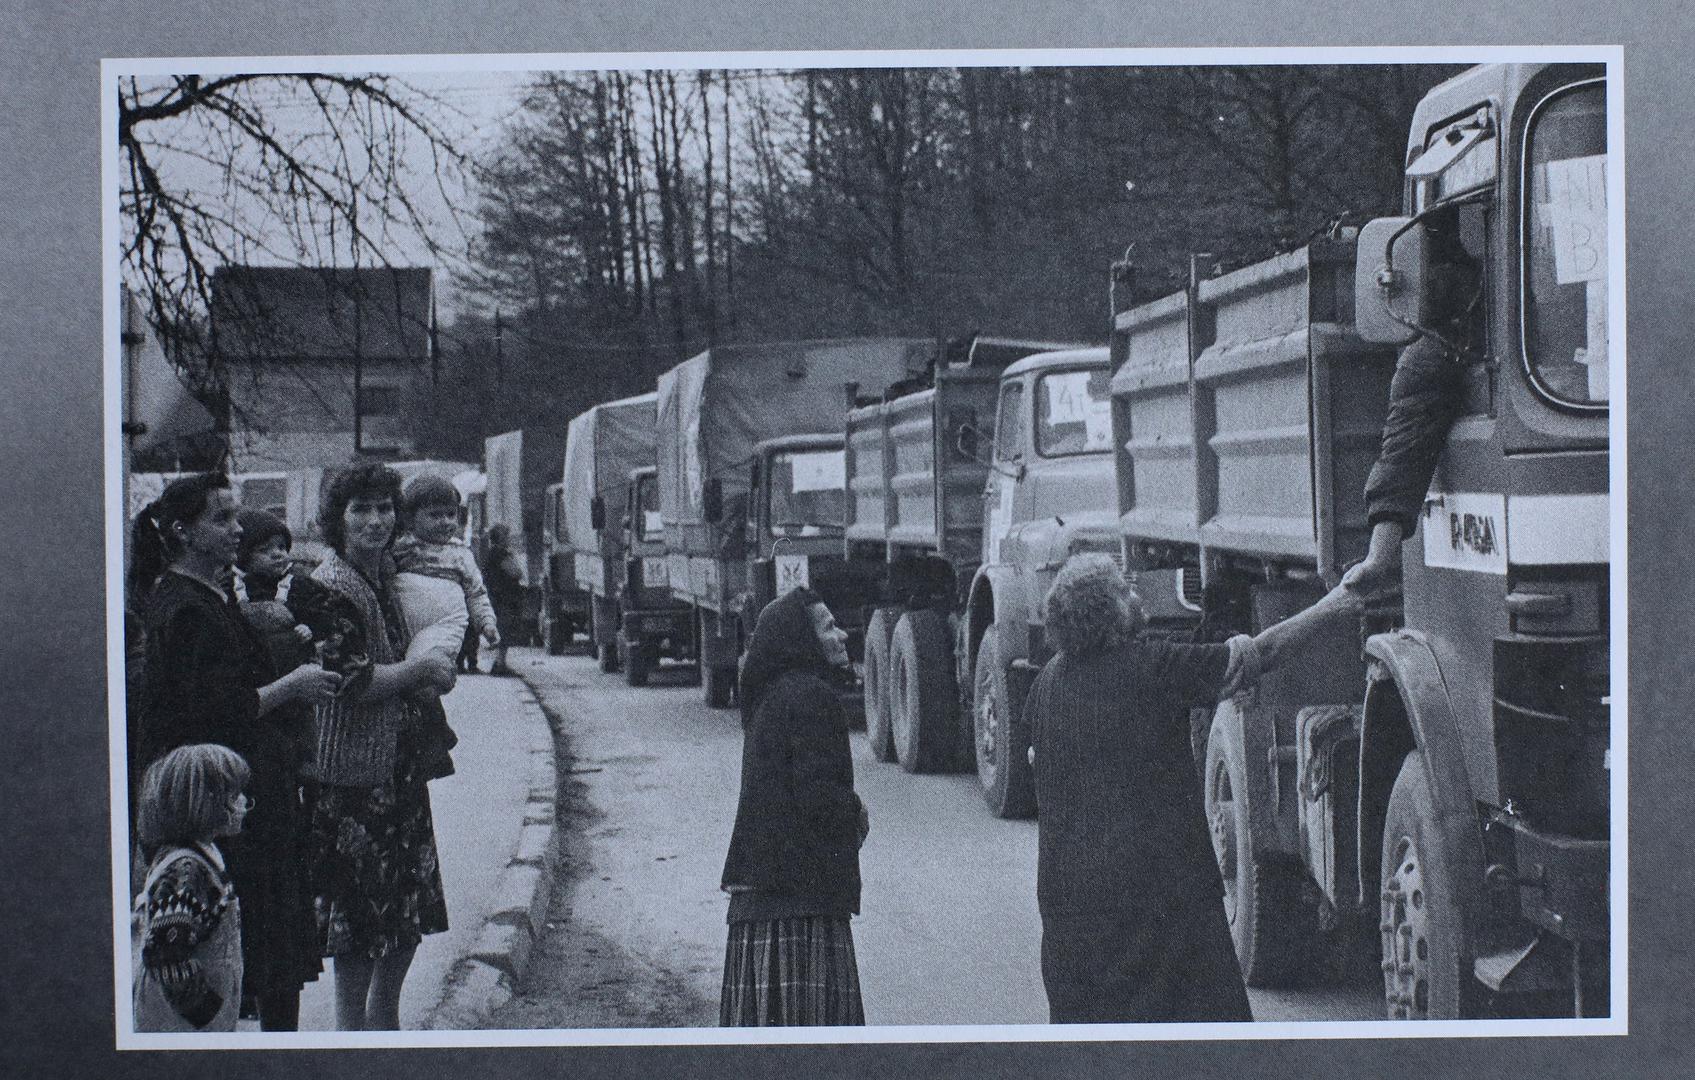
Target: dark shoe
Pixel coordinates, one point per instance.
(501, 669)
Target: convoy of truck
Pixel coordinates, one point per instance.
(1437, 776)
(521, 466)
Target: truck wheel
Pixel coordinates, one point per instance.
(636, 664)
(1268, 922)
(609, 657)
(554, 632)
(922, 692)
(1426, 955)
(878, 709)
(718, 681)
(1001, 737)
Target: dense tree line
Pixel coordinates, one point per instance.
(626, 219)
(659, 211)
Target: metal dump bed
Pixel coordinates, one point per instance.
(895, 501)
(1247, 414)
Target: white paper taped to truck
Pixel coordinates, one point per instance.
(825, 470)
(1072, 399)
(1577, 214)
(1594, 352)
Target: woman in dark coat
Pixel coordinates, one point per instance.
(1133, 921)
(377, 877)
(207, 678)
(792, 871)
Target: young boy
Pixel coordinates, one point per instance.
(441, 593)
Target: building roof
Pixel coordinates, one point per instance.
(323, 313)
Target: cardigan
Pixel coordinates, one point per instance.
(1121, 822)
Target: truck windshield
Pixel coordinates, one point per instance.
(648, 526)
(808, 492)
(1074, 412)
(1565, 246)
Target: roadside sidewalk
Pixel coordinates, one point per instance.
(494, 835)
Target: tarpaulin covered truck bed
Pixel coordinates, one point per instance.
(1247, 425)
(604, 443)
(520, 465)
(714, 407)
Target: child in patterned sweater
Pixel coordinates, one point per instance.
(440, 592)
(186, 966)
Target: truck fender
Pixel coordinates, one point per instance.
(1406, 708)
(995, 600)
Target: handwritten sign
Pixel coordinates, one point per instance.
(823, 471)
(1577, 212)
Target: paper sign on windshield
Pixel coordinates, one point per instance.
(826, 471)
(1577, 212)
(1068, 399)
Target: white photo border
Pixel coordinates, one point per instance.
(1612, 56)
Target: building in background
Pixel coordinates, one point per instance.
(319, 362)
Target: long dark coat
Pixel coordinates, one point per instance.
(795, 844)
(200, 683)
(1133, 923)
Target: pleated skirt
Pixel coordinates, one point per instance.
(791, 972)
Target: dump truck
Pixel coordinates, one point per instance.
(520, 466)
(714, 410)
(967, 496)
(1437, 777)
(617, 540)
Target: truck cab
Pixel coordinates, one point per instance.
(1491, 701)
(795, 527)
(652, 623)
(1049, 495)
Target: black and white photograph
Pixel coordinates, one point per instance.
(885, 546)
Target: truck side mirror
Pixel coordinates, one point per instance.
(597, 513)
(1391, 281)
(712, 500)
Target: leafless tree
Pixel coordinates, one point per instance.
(311, 169)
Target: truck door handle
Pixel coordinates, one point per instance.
(1538, 604)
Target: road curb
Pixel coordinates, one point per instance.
(486, 977)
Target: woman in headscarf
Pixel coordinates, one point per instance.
(1133, 920)
(208, 678)
(793, 866)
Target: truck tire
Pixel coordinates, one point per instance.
(1270, 925)
(1426, 952)
(718, 683)
(636, 663)
(922, 692)
(1001, 738)
(878, 709)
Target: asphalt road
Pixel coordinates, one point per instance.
(949, 932)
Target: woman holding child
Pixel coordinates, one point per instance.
(378, 884)
(207, 678)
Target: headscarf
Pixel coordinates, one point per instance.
(783, 641)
